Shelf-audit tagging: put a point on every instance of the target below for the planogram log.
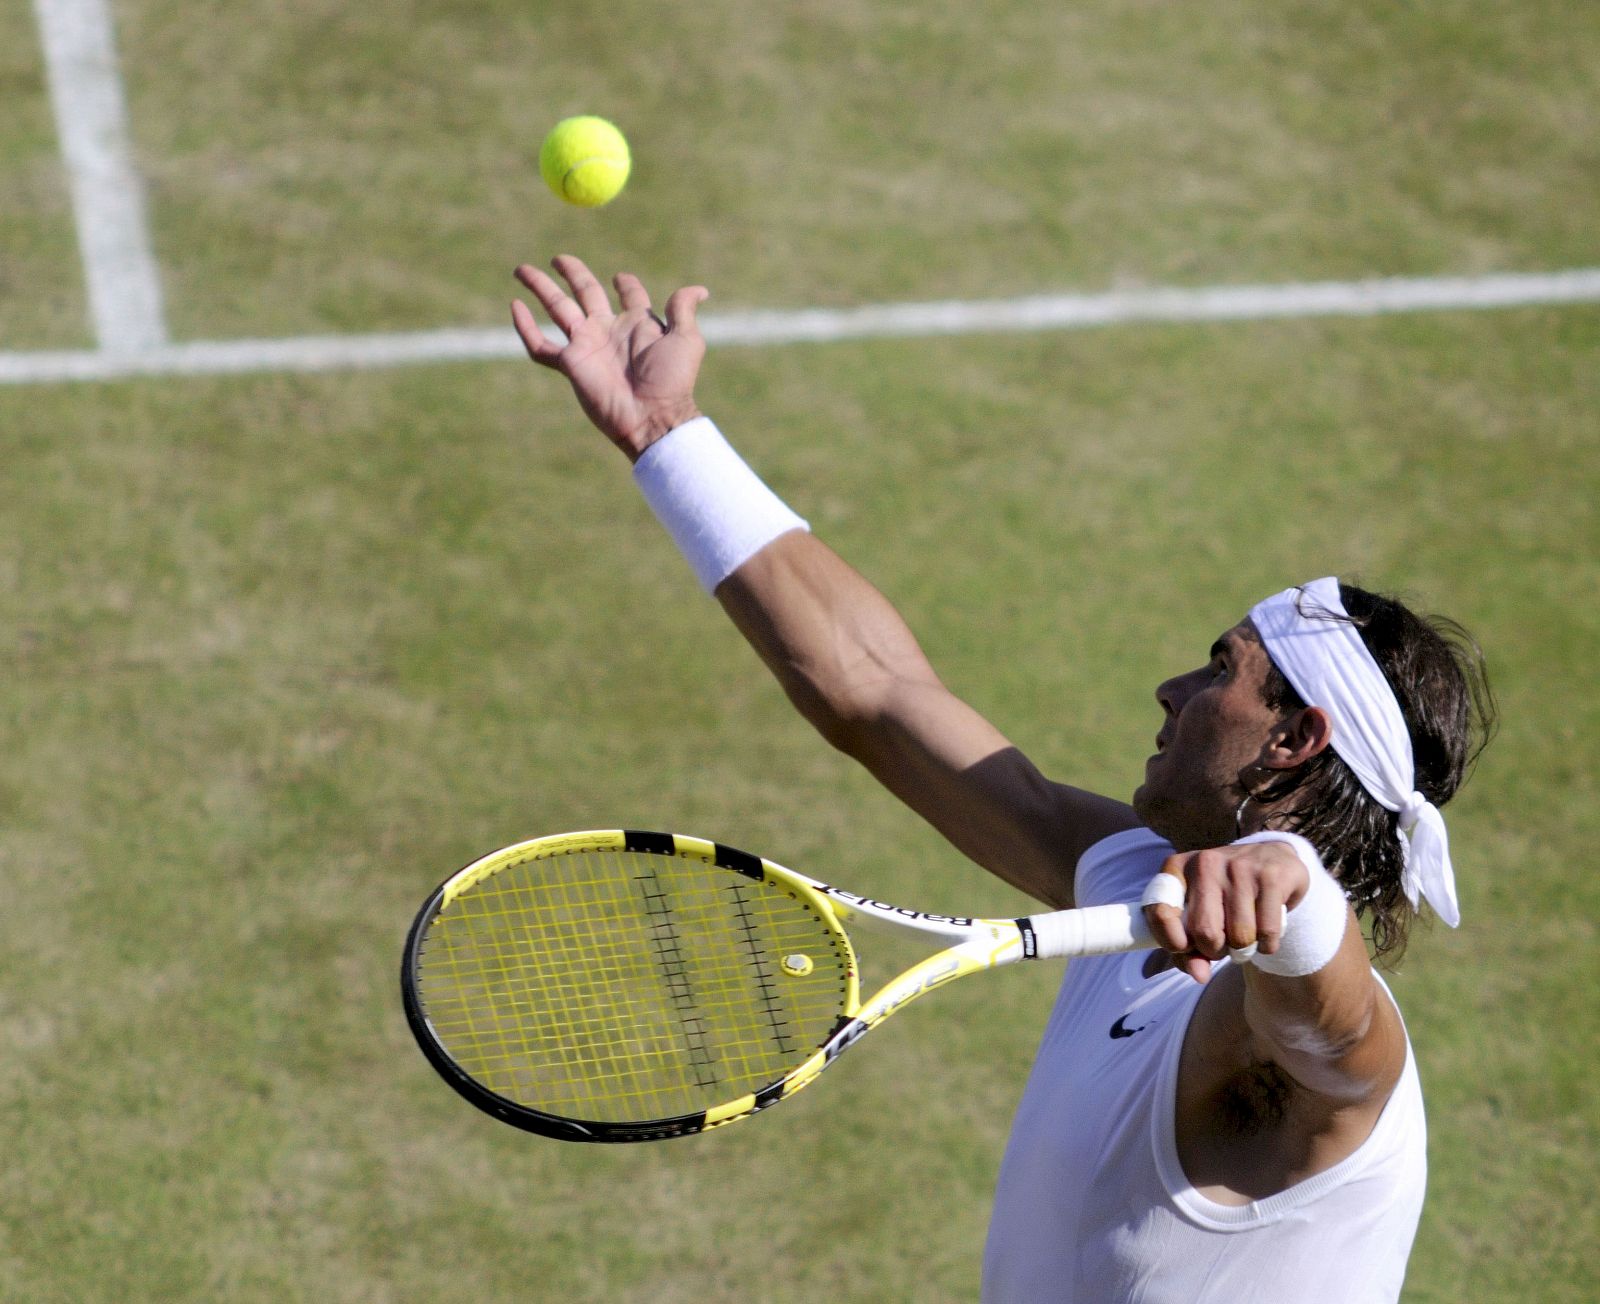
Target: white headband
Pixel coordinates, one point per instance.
(1310, 638)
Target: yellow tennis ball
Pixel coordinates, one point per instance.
(585, 161)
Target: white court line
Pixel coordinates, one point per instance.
(107, 196)
(907, 320)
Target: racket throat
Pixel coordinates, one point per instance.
(849, 1030)
(932, 972)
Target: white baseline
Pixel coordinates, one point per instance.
(107, 196)
(902, 321)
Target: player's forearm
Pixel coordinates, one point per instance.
(836, 645)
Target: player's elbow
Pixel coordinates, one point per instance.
(841, 728)
(851, 706)
(853, 723)
(1326, 1043)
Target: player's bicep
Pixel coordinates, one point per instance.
(1336, 1032)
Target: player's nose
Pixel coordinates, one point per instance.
(1173, 693)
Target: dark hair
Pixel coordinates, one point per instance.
(1437, 672)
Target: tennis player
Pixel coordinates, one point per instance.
(1234, 1118)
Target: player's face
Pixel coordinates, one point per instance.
(1216, 727)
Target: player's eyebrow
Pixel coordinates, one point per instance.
(1219, 648)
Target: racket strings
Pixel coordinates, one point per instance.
(765, 987)
(628, 986)
(675, 977)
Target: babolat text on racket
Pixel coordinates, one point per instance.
(619, 985)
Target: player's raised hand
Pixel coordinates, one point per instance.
(633, 372)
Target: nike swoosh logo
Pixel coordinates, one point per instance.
(1121, 1029)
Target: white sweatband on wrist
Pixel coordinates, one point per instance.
(716, 508)
(1314, 930)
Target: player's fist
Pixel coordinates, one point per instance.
(1234, 898)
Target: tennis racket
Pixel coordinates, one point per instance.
(629, 986)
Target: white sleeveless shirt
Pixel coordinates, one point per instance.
(1092, 1205)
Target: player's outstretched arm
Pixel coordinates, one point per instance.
(840, 650)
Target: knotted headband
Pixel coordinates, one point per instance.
(1311, 639)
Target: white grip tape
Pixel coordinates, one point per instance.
(717, 510)
(1094, 930)
(1314, 930)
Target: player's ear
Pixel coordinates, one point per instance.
(1297, 738)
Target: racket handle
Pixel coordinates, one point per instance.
(1094, 930)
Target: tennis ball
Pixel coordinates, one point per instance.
(585, 161)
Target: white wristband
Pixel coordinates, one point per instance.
(1314, 930)
(716, 508)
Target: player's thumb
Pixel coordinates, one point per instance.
(682, 307)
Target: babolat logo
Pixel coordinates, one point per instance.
(1030, 939)
(853, 899)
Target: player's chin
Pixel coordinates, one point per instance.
(1163, 812)
(1146, 799)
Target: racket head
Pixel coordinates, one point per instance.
(623, 985)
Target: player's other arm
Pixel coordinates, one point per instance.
(838, 648)
(1335, 1032)
(1312, 1004)
(853, 669)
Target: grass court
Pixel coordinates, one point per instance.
(283, 650)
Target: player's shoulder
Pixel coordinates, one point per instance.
(1117, 867)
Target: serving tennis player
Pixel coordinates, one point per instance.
(1237, 1116)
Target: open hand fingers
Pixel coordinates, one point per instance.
(541, 348)
(631, 293)
(589, 293)
(566, 314)
(682, 307)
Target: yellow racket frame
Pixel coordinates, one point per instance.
(969, 945)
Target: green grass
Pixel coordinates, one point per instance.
(41, 287)
(283, 651)
(361, 169)
(288, 650)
